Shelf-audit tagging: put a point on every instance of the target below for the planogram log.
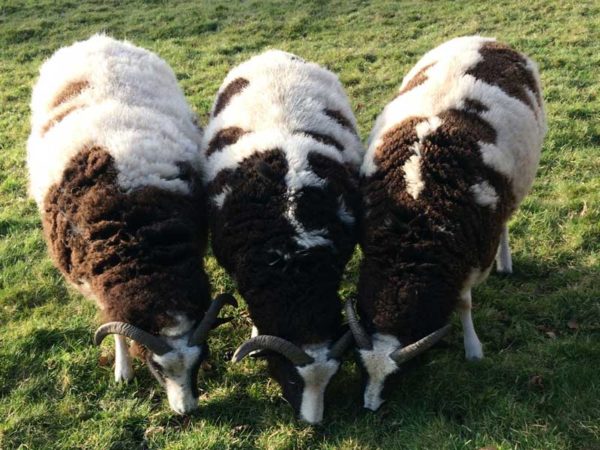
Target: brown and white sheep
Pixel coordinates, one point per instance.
(281, 158)
(114, 168)
(449, 160)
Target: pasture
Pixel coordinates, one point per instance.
(537, 388)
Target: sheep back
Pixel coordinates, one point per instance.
(114, 168)
(281, 157)
(449, 160)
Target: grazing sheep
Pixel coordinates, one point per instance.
(449, 161)
(114, 168)
(281, 157)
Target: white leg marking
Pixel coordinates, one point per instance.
(473, 350)
(123, 367)
(503, 257)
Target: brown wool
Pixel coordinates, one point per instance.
(341, 119)
(504, 67)
(232, 89)
(417, 80)
(418, 253)
(291, 292)
(69, 92)
(323, 139)
(140, 251)
(58, 117)
(225, 137)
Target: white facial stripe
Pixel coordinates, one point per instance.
(379, 365)
(176, 365)
(316, 376)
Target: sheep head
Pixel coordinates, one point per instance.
(302, 373)
(174, 360)
(382, 355)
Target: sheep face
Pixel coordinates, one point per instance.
(177, 372)
(379, 369)
(304, 386)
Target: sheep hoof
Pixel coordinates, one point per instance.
(475, 353)
(123, 374)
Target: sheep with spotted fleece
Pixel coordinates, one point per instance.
(281, 157)
(114, 167)
(448, 162)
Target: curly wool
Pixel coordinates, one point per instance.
(449, 160)
(114, 168)
(281, 157)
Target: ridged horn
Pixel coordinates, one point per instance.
(153, 343)
(338, 349)
(363, 340)
(200, 334)
(404, 354)
(295, 354)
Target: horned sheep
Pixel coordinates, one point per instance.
(114, 168)
(449, 160)
(281, 157)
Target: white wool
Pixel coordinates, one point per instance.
(485, 194)
(520, 130)
(132, 107)
(412, 175)
(284, 95)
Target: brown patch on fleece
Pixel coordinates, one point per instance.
(225, 137)
(70, 91)
(232, 89)
(506, 68)
(340, 119)
(291, 291)
(474, 106)
(322, 138)
(419, 78)
(140, 251)
(58, 116)
(418, 253)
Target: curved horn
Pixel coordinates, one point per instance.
(200, 334)
(338, 349)
(363, 340)
(154, 343)
(404, 354)
(295, 354)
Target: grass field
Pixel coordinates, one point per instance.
(539, 386)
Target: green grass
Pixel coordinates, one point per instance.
(538, 387)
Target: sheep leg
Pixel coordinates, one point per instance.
(473, 350)
(123, 367)
(503, 257)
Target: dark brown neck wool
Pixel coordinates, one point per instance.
(418, 253)
(141, 251)
(291, 292)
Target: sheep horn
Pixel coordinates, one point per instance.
(404, 354)
(154, 343)
(295, 354)
(340, 346)
(200, 334)
(363, 340)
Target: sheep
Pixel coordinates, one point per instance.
(448, 162)
(280, 158)
(113, 159)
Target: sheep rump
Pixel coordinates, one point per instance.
(114, 169)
